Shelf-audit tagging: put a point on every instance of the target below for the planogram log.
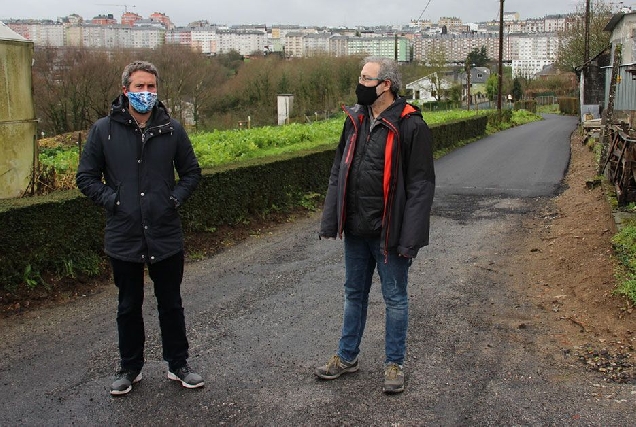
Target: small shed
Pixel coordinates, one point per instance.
(592, 80)
(18, 125)
(622, 27)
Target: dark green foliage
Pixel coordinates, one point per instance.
(478, 57)
(233, 196)
(49, 234)
(526, 104)
(625, 250)
(449, 134)
(495, 119)
(517, 91)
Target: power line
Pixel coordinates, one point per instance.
(425, 7)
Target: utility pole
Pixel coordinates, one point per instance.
(468, 95)
(586, 54)
(395, 46)
(500, 77)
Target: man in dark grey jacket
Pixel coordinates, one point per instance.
(380, 195)
(127, 167)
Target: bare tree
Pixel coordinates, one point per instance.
(572, 41)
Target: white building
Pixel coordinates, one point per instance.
(244, 42)
(428, 88)
(41, 33)
(294, 44)
(316, 44)
(535, 52)
(115, 36)
(204, 39)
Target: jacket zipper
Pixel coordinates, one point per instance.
(392, 188)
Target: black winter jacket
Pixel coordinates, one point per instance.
(130, 173)
(386, 175)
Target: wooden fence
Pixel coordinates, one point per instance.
(620, 166)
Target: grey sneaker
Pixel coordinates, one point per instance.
(393, 379)
(124, 381)
(188, 378)
(335, 367)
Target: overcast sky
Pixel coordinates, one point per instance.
(302, 12)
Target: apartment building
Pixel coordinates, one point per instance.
(180, 36)
(129, 18)
(339, 45)
(245, 42)
(104, 20)
(316, 44)
(380, 46)
(452, 24)
(527, 43)
(163, 19)
(114, 36)
(456, 47)
(535, 52)
(41, 33)
(294, 44)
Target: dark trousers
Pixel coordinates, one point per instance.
(166, 276)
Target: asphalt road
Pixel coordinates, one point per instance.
(263, 313)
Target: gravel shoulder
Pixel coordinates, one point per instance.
(511, 308)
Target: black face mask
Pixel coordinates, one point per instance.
(366, 94)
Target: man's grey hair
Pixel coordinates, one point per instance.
(137, 66)
(388, 71)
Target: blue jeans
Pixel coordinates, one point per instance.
(362, 256)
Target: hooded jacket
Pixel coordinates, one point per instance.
(384, 173)
(130, 172)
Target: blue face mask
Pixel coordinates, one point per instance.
(142, 102)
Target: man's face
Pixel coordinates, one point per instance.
(142, 81)
(369, 74)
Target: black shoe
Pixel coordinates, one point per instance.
(124, 381)
(188, 378)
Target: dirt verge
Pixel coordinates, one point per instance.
(568, 272)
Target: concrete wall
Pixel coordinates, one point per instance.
(18, 127)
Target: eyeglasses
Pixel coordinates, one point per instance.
(363, 79)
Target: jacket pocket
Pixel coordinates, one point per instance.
(113, 201)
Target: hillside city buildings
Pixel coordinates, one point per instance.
(529, 45)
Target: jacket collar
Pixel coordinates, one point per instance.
(392, 113)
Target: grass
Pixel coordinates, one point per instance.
(624, 243)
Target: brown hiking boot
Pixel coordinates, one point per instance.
(335, 367)
(393, 379)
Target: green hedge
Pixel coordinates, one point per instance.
(526, 104)
(55, 234)
(449, 134)
(62, 234)
(569, 105)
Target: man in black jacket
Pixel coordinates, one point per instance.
(380, 195)
(127, 167)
